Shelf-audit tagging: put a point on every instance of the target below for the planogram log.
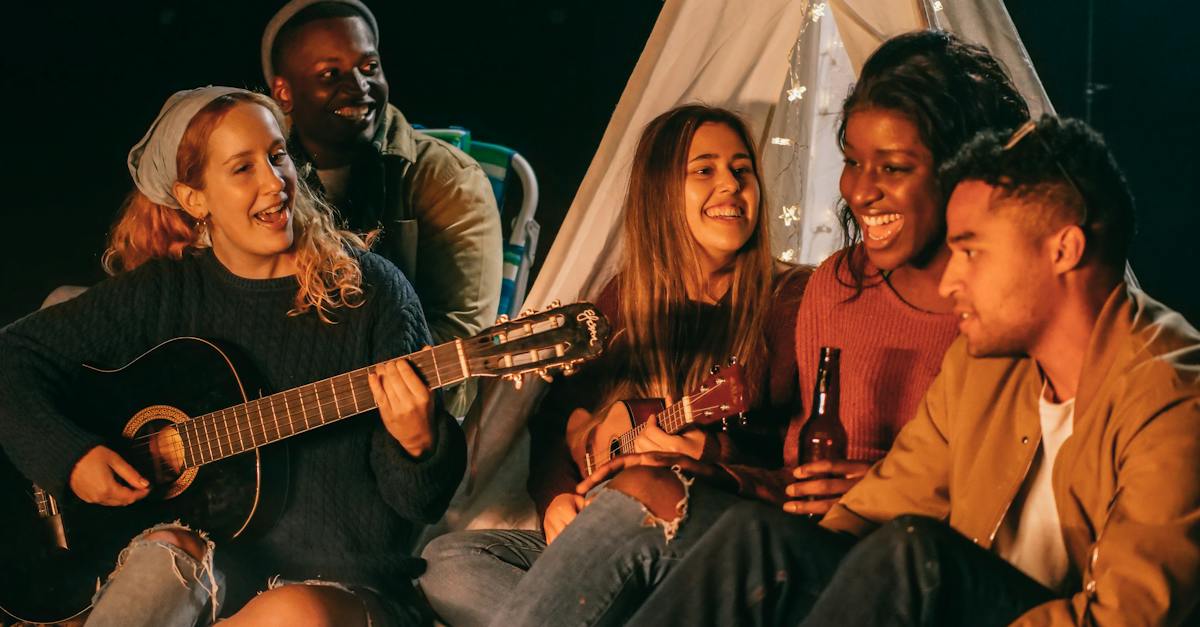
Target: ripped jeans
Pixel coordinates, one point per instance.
(609, 559)
(157, 584)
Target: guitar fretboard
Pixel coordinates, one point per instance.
(672, 420)
(217, 435)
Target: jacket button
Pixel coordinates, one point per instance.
(1090, 588)
(1025, 439)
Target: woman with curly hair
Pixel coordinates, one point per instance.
(222, 240)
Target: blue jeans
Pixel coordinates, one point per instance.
(760, 566)
(608, 560)
(157, 584)
(469, 574)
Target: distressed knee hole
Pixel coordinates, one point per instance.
(662, 492)
(187, 541)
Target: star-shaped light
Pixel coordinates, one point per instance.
(787, 256)
(790, 214)
(818, 12)
(781, 141)
(796, 93)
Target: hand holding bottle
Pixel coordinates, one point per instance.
(821, 483)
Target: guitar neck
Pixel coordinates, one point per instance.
(673, 419)
(217, 435)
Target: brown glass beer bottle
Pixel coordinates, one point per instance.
(823, 436)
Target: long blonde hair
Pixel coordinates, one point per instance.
(662, 258)
(328, 274)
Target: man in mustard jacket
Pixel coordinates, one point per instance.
(1052, 473)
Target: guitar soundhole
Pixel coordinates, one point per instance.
(156, 450)
(614, 448)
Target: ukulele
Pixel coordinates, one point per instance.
(183, 415)
(720, 396)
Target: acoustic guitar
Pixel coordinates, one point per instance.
(721, 396)
(185, 415)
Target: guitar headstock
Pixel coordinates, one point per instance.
(559, 337)
(721, 395)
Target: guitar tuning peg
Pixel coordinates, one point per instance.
(517, 381)
(502, 319)
(554, 304)
(733, 360)
(545, 375)
(525, 312)
(568, 370)
(715, 369)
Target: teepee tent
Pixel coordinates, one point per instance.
(785, 65)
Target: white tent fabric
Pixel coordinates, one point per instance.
(745, 55)
(801, 162)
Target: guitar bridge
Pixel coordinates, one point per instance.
(590, 463)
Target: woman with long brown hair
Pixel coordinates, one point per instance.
(697, 286)
(221, 240)
(918, 98)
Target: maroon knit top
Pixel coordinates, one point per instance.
(891, 352)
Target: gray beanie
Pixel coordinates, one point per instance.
(152, 159)
(289, 11)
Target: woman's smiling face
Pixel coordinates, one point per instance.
(720, 193)
(889, 182)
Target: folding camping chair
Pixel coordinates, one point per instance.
(501, 164)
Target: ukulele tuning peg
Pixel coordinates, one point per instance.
(502, 319)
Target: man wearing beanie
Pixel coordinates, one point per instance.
(438, 215)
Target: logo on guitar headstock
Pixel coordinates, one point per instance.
(590, 318)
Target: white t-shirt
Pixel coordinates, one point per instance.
(1037, 548)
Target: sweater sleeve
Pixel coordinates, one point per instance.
(552, 466)
(40, 358)
(419, 490)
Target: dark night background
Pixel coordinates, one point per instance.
(83, 80)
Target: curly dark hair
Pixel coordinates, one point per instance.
(948, 88)
(1063, 168)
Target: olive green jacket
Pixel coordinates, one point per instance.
(1126, 482)
(440, 223)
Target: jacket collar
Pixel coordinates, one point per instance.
(393, 138)
(1106, 345)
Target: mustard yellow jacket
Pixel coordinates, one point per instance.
(1126, 482)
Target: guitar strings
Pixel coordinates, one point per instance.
(354, 382)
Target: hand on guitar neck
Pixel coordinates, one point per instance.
(406, 405)
(653, 439)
